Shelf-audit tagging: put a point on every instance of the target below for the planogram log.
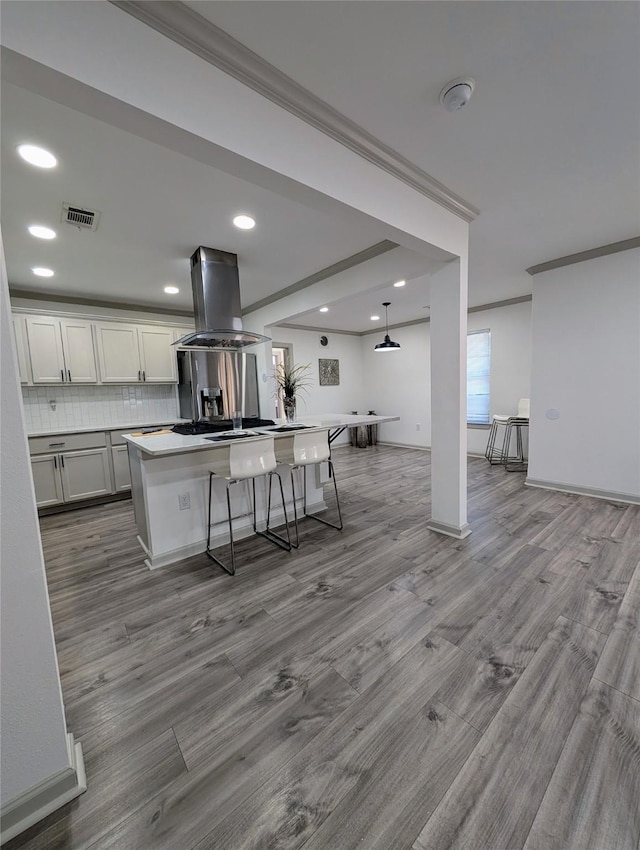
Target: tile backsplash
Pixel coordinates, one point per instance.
(78, 407)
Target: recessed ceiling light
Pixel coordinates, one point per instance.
(400, 283)
(42, 272)
(324, 309)
(375, 318)
(37, 156)
(244, 222)
(171, 290)
(42, 232)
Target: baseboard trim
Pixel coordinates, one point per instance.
(609, 495)
(242, 528)
(458, 531)
(36, 803)
(403, 446)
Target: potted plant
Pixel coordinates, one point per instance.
(290, 381)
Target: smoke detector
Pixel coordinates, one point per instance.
(457, 93)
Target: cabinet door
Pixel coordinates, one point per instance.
(46, 480)
(121, 471)
(79, 353)
(85, 474)
(157, 355)
(118, 353)
(19, 338)
(45, 350)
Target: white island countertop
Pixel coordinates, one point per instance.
(114, 426)
(157, 445)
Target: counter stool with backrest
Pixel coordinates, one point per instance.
(248, 459)
(500, 453)
(302, 449)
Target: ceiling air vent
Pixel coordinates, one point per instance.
(80, 217)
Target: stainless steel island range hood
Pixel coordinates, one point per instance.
(216, 304)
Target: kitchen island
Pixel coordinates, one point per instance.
(170, 481)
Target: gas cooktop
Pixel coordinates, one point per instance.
(194, 428)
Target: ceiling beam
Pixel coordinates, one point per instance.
(185, 27)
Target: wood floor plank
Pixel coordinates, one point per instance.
(339, 695)
(111, 796)
(288, 808)
(495, 797)
(399, 779)
(183, 814)
(106, 699)
(619, 664)
(593, 799)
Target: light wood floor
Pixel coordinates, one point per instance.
(383, 688)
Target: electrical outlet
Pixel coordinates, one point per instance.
(184, 501)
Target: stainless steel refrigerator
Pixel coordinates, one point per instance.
(211, 385)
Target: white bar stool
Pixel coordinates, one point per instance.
(501, 455)
(248, 459)
(302, 449)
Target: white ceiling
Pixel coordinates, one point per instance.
(548, 149)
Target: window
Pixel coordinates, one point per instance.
(478, 377)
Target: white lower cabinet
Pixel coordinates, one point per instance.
(71, 467)
(46, 480)
(121, 471)
(70, 476)
(85, 475)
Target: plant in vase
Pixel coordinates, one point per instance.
(290, 382)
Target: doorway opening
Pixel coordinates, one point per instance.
(281, 355)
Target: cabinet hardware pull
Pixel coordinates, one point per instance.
(69, 374)
(53, 445)
(55, 461)
(62, 374)
(62, 459)
(139, 375)
(144, 375)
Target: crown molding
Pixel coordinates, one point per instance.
(341, 266)
(55, 297)
(181, 24)
(591, 254)
(316, 330)
(492, 305)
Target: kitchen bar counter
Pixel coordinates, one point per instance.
(170, 481)
(157, 445)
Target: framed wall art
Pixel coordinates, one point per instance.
(329, 372)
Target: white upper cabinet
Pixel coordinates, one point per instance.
(45, 349)
(131, 353)
(20, 341)
(61, 350)
(157, 355)
(118, 353)
(79, 351)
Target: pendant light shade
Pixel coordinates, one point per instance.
(388, 344)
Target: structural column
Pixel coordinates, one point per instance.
(41, 765)
(449, 400)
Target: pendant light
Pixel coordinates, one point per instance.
(388, 344)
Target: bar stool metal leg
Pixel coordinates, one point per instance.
(268, 532)
(230, 570)
(338, 526)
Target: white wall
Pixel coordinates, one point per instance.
(34, 743)
(586, 366)
(350, 394)
(399, 382)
